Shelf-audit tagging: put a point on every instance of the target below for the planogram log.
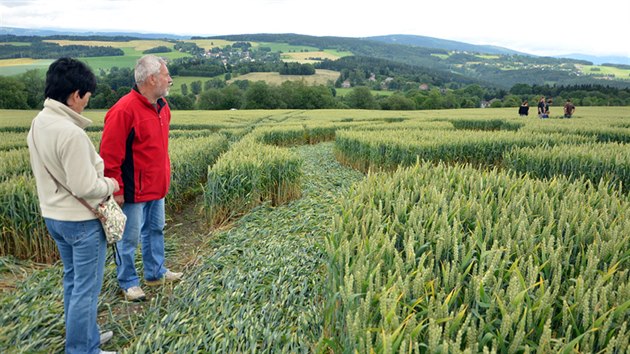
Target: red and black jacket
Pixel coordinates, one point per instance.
(134, 147)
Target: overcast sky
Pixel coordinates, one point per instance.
(552, 27)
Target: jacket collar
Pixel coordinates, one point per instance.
(65, 111)
(161, 102)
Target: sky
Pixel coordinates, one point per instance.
(553, 27)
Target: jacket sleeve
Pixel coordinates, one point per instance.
(114, 144)
(82, 168)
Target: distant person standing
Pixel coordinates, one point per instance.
(523, 110)
(547, 107)
(569, 109)
(543, 108)
(134, 147)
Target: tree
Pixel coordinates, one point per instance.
(398, 102)
(104, 97)
(259, 95)
(470, 102)
(298, 95)
(117, 77)
(214, 83)
(521, 89)
(158, 49)
(433, 100)
(450, 100)
(232, 97)
(12, 94)
(179, 102)
(361, 98)
(357, 77)
(210, 99)
(34, 86)
(184, 89)
(511, 101)
(195, 87)
(473, 90)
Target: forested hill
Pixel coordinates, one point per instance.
(499, 70)
(406, 72)
(432, 42)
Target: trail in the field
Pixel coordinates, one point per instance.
(260, 285)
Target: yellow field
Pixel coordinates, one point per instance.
(306, 57)
(140, 45)
(14, 62)
(208, 44)
(320, 78)
(487, 56)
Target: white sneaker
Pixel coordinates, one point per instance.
(106, 336)
(168, 277)
(173, 276)
(104, 352)
(134, 293)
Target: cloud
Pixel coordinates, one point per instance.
(537, 27)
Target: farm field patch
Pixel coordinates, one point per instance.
(10, 67)
(312, 57)
(321, 77)
(208, 44)
(617, 73)
(139, 45)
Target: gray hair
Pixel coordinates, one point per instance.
(146, 66)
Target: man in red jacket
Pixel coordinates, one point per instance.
(134, 147)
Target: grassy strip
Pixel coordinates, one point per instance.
(296, 135)
(259, 288)
(486, 124)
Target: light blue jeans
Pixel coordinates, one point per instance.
(82, 248)
(145, 221)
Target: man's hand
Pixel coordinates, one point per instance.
(116, 185)
(120, 199)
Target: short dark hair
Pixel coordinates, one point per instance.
(66, 75)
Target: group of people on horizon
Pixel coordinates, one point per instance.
(133, 165)
(543, 108)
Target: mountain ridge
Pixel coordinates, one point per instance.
(447, 44)
(404, 39)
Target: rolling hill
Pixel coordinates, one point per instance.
(432, 42)
(433, 60)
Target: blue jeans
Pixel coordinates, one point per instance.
(82, 247)
(145, 221)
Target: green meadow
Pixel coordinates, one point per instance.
(605, 70)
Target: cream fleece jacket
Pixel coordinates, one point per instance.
(63, 146)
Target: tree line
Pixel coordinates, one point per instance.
(25, 91)
(46, 50)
